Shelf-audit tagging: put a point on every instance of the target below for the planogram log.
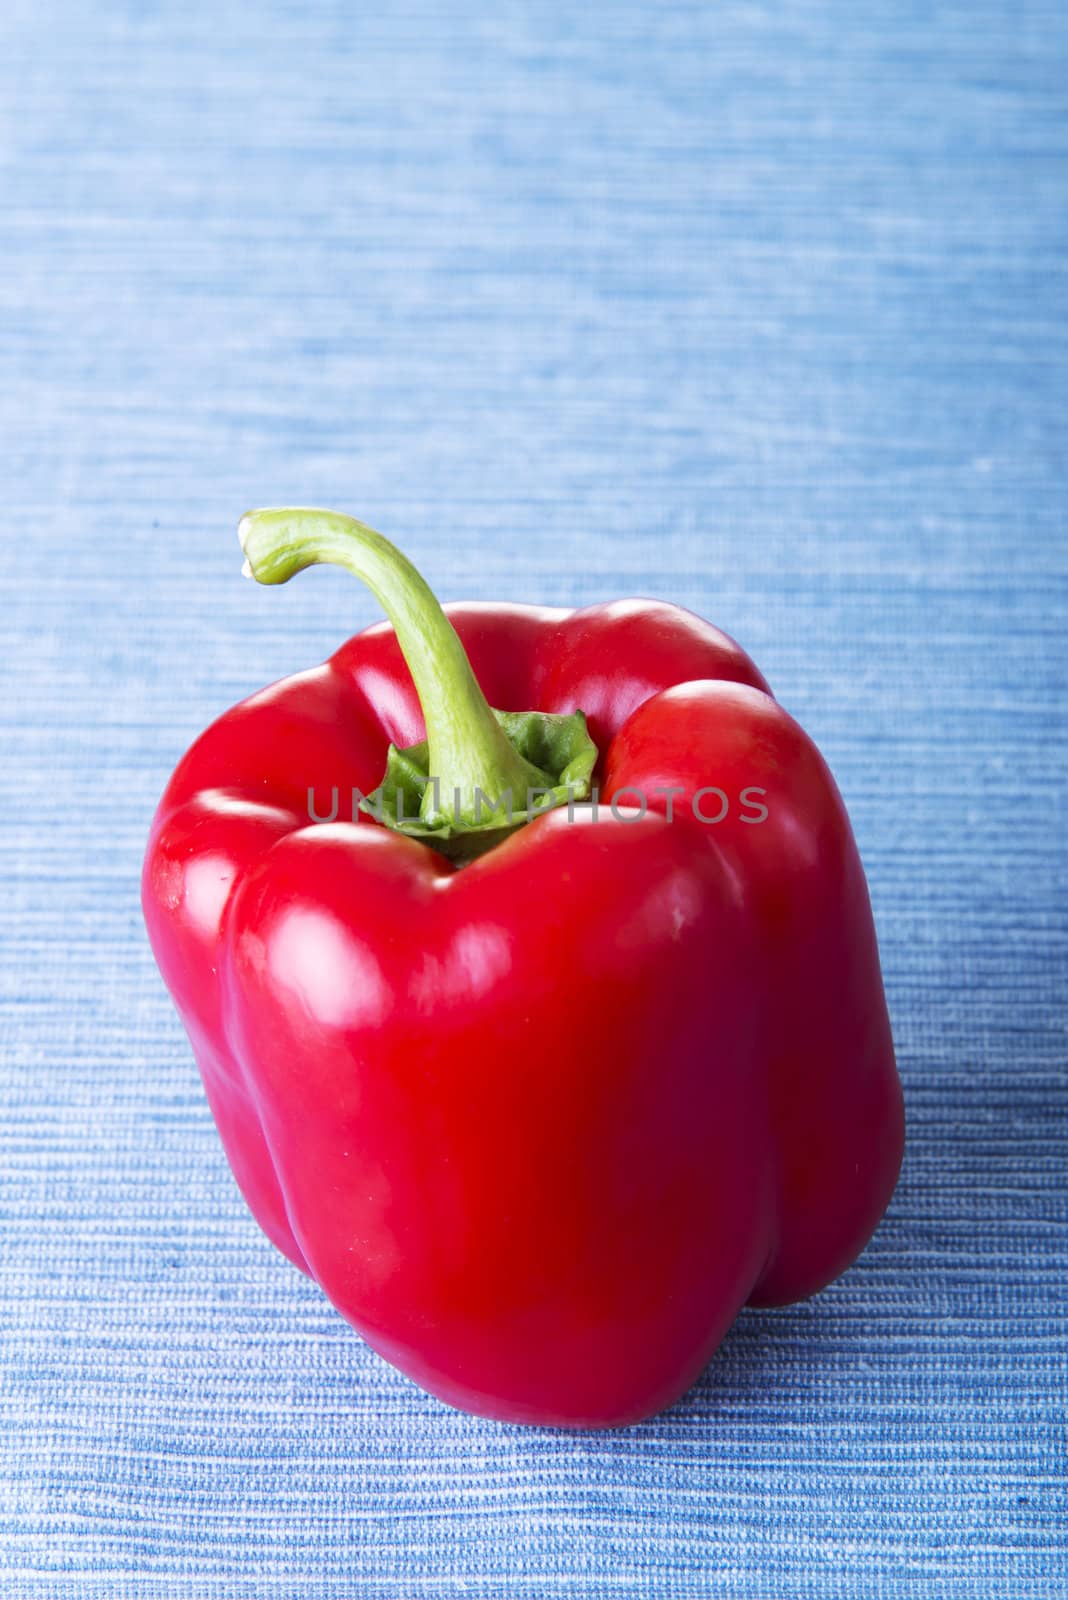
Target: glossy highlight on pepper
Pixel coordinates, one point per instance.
(540, 1102)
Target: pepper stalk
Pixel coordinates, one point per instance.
(448, 790)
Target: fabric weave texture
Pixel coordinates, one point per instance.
(759, 308)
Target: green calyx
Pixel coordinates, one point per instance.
(480, 774)
(558, 748)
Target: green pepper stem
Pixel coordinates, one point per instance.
(467, 748)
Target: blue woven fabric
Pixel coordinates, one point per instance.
(759, 308)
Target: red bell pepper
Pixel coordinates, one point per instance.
(540, 1101)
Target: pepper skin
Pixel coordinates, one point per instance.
(539, 1124)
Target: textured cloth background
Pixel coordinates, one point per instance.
(756, 307)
